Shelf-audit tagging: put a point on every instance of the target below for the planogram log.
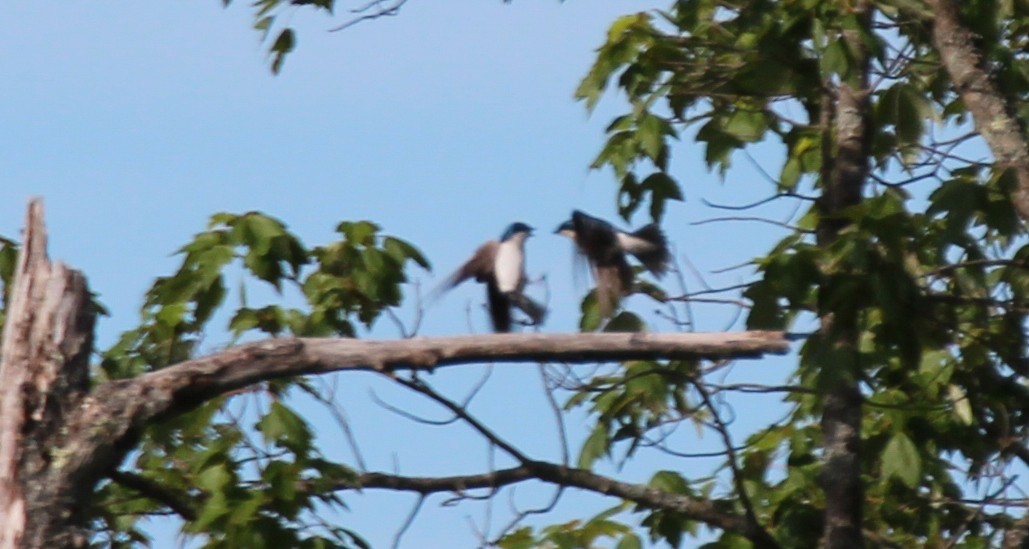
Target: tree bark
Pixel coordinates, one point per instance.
(843, 178)
(116, 410)
(47, 338)
(993, 114)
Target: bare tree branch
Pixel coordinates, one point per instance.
(716, 513)
(372, 10)
(181, 503)
(178, 388)
(734, 465)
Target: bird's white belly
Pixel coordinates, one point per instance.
(508, 266)
(633, 244)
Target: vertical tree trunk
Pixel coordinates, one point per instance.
(843, 181)
(44, 365)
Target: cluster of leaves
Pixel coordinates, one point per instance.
(575, 534)
(639, 397)
(932, 263)
(353, 279)
(267, 12)
(234, 490)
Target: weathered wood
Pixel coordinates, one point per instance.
(117, 410)
(47, 337)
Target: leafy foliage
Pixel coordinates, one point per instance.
(245, 492)
(353, 279)
(931, 261)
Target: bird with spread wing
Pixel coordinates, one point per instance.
(500, 264)
(604, 247)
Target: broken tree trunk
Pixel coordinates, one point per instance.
(47, 338)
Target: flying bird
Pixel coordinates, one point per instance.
(501, 266)
(604, 247)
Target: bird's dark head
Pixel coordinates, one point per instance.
(515, 229)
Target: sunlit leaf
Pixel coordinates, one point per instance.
(901, 460)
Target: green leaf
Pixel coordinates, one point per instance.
(662, 188)
(590, 319)
(630, 541)
(214, 478)
(651, 136)
(790, 175)
(264, 24)
(623, 24)
(912, 114)
(901, 460)
(670, 482)
(284, 44)
(401, 250)
(214, 508)
(835, 59)
(625, 321)
(747, 126)
(521, 538)
(358, 232)
(594, 448)
(285, 428)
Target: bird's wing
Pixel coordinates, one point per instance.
(598, 241)
(649, 245)
(581, 268)
(479, 266)
(499, 307)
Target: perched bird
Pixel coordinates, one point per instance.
(604, 247)
(501, 266)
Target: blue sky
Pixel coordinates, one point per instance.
(137, 121)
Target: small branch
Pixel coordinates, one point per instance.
(761, 202)
(459, 411)
(737, 476)
(177, 501)
(409, 521)
(977, 263)
(711, 512)
(380, 11)
(757, 219)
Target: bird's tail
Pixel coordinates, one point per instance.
(649, 245)
(499, 307)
